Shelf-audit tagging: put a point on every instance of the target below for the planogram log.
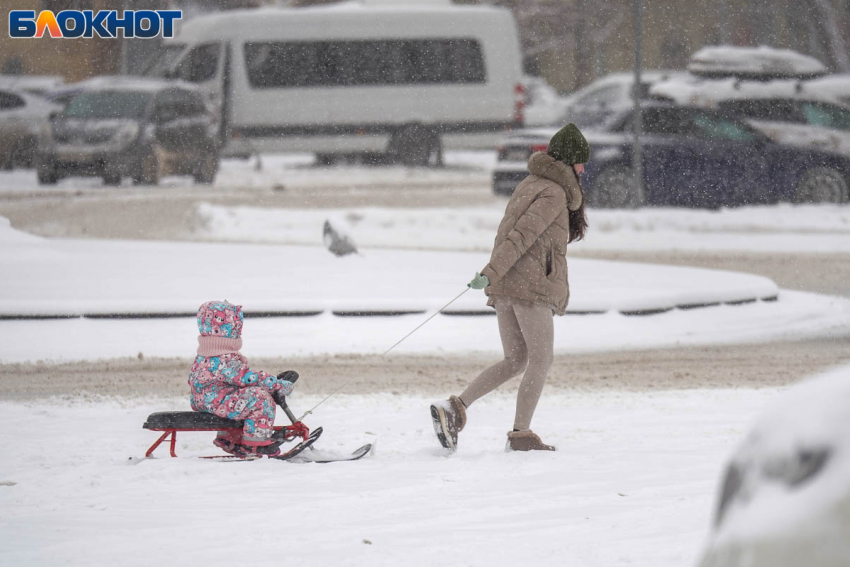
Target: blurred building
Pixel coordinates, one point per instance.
(572, 42)
(568, 42)
(79, 59)
(70, 59)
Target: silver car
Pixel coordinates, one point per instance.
(23, 118)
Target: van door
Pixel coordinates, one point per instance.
(204, 65)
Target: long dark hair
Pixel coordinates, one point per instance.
(578, 220)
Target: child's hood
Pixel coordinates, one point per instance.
(220, 319)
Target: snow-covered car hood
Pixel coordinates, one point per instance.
(87, 132)
(785, 498)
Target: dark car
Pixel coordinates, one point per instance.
(131, 127)
(692, 157)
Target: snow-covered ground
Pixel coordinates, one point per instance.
(282, 171)
(631, 484)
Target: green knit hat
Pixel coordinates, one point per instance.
(569, 146)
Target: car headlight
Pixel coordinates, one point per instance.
(126, 134)
(45, 134)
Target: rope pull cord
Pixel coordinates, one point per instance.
(422, 324)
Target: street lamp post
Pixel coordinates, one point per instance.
(637, 153)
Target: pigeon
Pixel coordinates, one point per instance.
(338, 244)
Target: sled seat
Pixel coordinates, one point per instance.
(170, 422)
(190, 421)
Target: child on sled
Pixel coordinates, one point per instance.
(223, 384)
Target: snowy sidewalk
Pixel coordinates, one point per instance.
(632, 484)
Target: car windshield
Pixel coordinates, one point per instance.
(108, 104)
(164, 60)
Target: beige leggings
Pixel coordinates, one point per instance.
(527, 339)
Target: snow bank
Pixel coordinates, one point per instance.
(100, 277)
(775, 228)
(795, 316)
(790, 502)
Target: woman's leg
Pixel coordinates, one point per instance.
(516, 355)
(538, 331)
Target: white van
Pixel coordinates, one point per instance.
(406, 79)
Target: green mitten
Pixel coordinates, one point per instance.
(478, 282)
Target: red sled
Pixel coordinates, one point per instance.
(170, 422)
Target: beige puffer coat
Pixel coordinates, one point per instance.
(529, 259)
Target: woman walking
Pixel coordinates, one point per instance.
(526, 282)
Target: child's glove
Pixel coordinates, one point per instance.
(284, 387)
(478, 282)
(289, 375)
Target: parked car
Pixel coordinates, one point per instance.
(784, 500)
(592, 105)
(23, 117)
(383, 78)
(543, 105)
(140, 128)
(692, 157)
(796, 121)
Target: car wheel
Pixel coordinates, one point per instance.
(325, 160)
(822, 185)
(207, 169)
(47, 172)
(150, 169)
(23, 154)
(112, 179)
(413, 146)
(615, 188)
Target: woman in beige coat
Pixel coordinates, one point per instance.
(526, 282)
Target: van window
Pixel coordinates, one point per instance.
(353, 63)
(200, 64)
(164, 59)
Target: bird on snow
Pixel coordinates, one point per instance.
(338, 244)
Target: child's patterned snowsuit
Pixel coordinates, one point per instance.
(221, 381)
